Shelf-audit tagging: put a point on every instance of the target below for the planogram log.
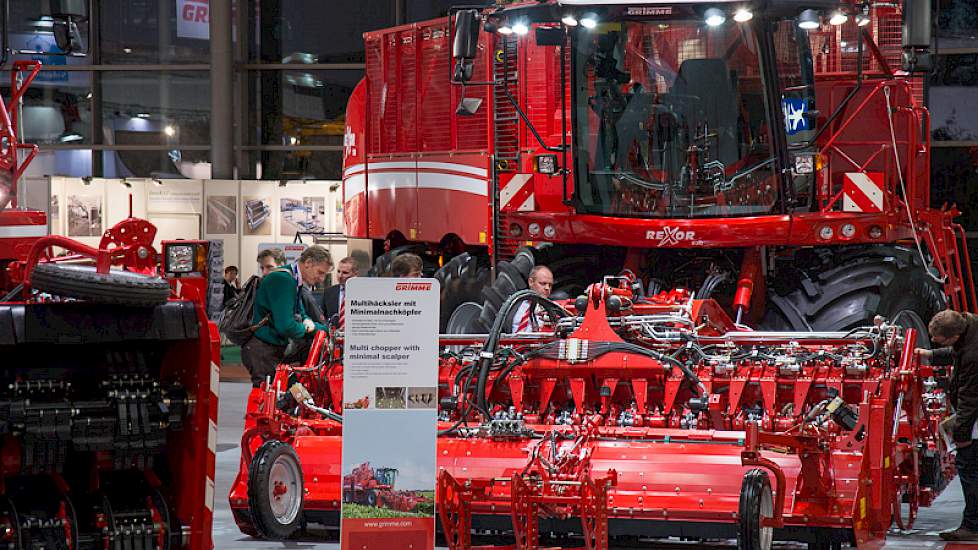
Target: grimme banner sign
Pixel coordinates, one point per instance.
(390, 389)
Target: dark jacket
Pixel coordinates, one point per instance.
(230, 292)
(963, 388)
(331, 301)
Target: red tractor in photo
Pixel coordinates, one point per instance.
(771, 156)
(375, 487)
(109, 380)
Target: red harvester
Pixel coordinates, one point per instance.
(375, 487)
(779, 164)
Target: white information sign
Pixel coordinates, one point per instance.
(390, 391)
(193, 19)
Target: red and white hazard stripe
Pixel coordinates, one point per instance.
(215, 389)
(449, 176)
(517, 194)
(862, 192)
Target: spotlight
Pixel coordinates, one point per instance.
(809, 20)
(862, 18)
(569, 20)
(169, 130)
(521, 28)
(743, 15)
(589, 21)
(505, 30)
(714, 17)
(838, 18)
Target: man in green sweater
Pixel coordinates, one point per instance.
(279, 312)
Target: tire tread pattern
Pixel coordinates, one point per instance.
(115, 287)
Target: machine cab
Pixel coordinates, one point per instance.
(680, 110)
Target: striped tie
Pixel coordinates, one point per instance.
(342, 321)
(525, 320)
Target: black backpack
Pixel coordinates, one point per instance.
(236, 318)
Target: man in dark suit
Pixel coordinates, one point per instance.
(333, 296)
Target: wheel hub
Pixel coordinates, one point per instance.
(283, 489)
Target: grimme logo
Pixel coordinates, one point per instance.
(669, 235)
(412, 286)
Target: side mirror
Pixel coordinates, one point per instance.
(67, 14)
(917, 30)
(465, 45)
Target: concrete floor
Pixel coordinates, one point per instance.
(945, 514)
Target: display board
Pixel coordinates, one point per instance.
(243, 214)
(390, 389)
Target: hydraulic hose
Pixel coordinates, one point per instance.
(495, 333)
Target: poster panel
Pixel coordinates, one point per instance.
(390, 378)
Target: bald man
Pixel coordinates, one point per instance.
(526, 319)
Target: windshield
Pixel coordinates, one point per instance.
(670, 121)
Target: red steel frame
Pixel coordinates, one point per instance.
(129, 244)
(658, 469)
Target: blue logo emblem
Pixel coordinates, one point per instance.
(794, 115)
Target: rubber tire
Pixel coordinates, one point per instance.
(370, 497)
(382, 265)
(508, 282)
(258, 476)
(749, 534)
(243, 520)
(115, 287)
(462, 280)
(852, 287)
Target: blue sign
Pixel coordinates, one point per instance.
(794, 115)
(45, 43)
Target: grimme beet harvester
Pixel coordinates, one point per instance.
(634, 417)
(375, 487)
(770, 155)
(108, 387)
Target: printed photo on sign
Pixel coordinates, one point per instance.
(221, 214)
(257, 219)
(391, 398)
(305, 215)
(422, 398)
(389, 474)
(84, 215)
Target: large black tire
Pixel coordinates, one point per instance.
(573, 272)
(846, 290)
(276, 517)
(756, 502)
(382, 265)
(370, 497)
(115, 287)
(572, 275)
(462, 280)
(511, 277)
